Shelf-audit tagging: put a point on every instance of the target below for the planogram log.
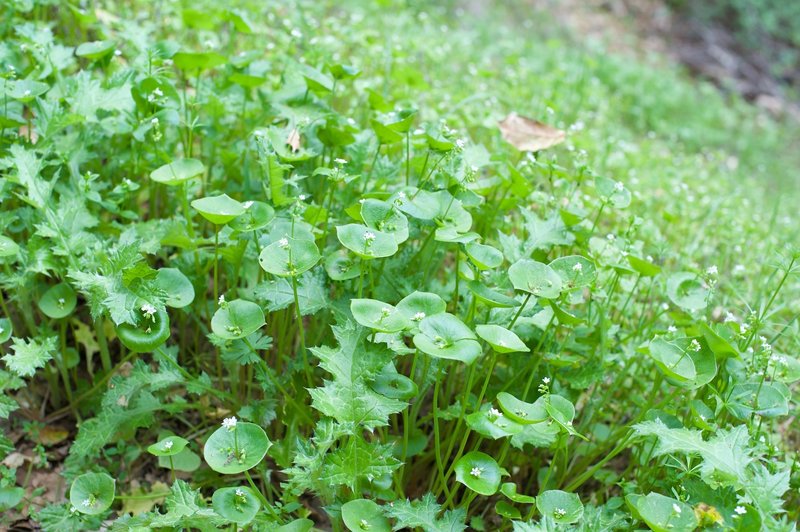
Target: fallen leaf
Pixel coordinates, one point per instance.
(527, 134)
(294, 140)
(15, 460)
(51, 435)
(144, 501)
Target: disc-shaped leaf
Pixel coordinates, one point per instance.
(501, 339)
(394, 386)
(186, 460)
(5, 330)
(509, 489)
(384, 217)
(176, 285)
(169, 446)
(25, 90)
(661, 513)
(363, 514)
(191, 61)
(575, 271)
(489, 297)
(483, 256)
(445, 336)
(238, 505)
(8, 248)
(92, 493)
(643, 267)
(687, 291)
(378, 315)
(177, 172)
(232, 451)
(765, 399)
(218, 210)
(289, 257)
(673, 360)
(237, 319)
(613, 192)
(257, 215)
(479, 472)
(340, 266)
(536, 278)
(366, 242)
(94, 49)
(490, 423)
(561, 506)
(386, 135)
(58, 301)
(418, 305)
(520, 411)
(507, 510)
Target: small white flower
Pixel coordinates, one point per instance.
(712, 270)
(221, 299)
(148, 310)
(739, 269)
(460, 143)
(239, 492)
(546, 380)
(283, 243)
(157, 92)
(560, 512)
(672, 329)
(385, 311)
(364, 524)
(26, 93)
(740, 510)
(495, 413)
(167, 445)
(695, 345)
(154, 121)
(476, 472)
(729, 317)
(401, 195)
(619, 186)
(302, 197)
(578, 267)
(610, 237)
(247, 204)
(340, 161)
(229, 423)
(117, 53)
(86, 502)
(419, 316)
(676, 508)
(369, 236)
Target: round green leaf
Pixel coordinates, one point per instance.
(501, 339)
(663, 514)
(289, 257)
(520, 411)
(151, 331)
(186, 460)
(687, 291)
(177, 286)
(483, 256)
(238, 505)
(378, 315)
(509, 489)
(340, 266)
(765, 399)
(445, 336)
(169, 446)
(237, 319)
(233, 450)
(58, 301)
(257, 215)
(507, 510)
(645, 268)
(8, 248)
(491, 423)
(5, 330)
(416, 306)
(366, 242)
(25, 90)
(394, 386)
(613, 192)
(198, 61)
(561, 506)
(298, 525)
(177, 172)
(95, 49)
(10, 496)
(218, 210)
(363, 514)
(479, 472)
(673, 360)
(489, 297)
(536, 278)
(384, 217)
(575, 271)
(92, 493)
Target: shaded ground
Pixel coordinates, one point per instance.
(709, 51)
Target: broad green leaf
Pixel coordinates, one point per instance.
(218, 210)
(237, 319)
(58, 301)
(562, 507)
(378, 315)
(535, 278)
(479, 472)
(483, 256)
(491, 297)
(445, 336)
(501, 339)
(233, 450)
(8, 248)
(509, 489)
(169, 446)
(177, 172)
(92, 493)
(237, 505)
(520, 411)
(289, 257)
(363, 514)
(257, 215)
(663, 514)
(178, 288)
(95, 49)
(575, 271)
(686, 290)
(365, 242)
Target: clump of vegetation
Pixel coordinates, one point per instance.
(281, 266)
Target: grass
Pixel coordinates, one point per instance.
(275, 266)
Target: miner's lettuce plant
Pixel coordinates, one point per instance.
(268, 267)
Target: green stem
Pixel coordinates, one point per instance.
(302, 330)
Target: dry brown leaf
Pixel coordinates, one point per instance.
(527, 134)
(294, 140)
(52, 434)
(144, 503)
